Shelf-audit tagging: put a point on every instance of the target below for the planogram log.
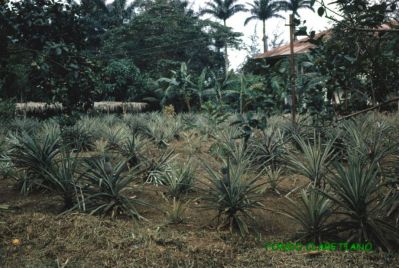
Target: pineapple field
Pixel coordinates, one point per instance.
(196, 190)
(192, 133)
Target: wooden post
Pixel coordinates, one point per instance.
(226, 56)
(293, 69)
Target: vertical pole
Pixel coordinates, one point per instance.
(226, 57)
(264, 37)
(293, 71)
(241, 89)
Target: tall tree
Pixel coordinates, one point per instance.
(295, 5)
(223, 10)
(362, 73)
(264, 10)
(109, 15)
(166, 34)
(44, 40)
(253, 46)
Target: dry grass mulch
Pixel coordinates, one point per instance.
(79, 240)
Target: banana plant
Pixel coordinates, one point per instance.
(179, 85)
(247, 123)
(221, 85)
(202, 86)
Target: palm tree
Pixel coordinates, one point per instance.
(117, 11)
(296, 5)
(121, 10)
(223, 10)
(92, 6)
(264, 10)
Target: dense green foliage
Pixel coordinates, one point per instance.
(219, 138)
(77, 53)
(356, 63)
(123, 81)
(43, 43)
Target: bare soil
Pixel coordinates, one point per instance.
(49, 239)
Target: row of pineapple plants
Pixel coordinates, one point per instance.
(95, 163)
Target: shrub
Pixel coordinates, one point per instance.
(269, 147)
(357, 192)
(210, 123)
(372, 140)
(302, 128)
(122, 80)
(33, 156)
(176, 214)
(155, 130)
(28, 125)
(131, 149)
(179, 180)
(194, 142)
(47, 127)
(161, 130)
(311, 212)
(228, 146)
(136, 123)
(114, 135)
(108, 191)
(110, 120)
(100, 147)
(7, 111)
(233, 196)
(60, 179)
(6, 168)
(78, 135)
(274, 177)
(313, 159)
(158, 167)
(169, 111)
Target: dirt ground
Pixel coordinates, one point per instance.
(48, 239)
(79, 240)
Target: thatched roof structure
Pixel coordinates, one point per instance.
(104, 106)
(37, 107)
(113, 106)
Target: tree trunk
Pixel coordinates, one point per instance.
(200, 101)
(264, 37)
(293, 70)
(241, 96)
(188, 104)
(241, 93)
(226, 59)
(293, 19)
(68, 200)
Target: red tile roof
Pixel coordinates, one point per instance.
(303, 46)
(300, 46)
